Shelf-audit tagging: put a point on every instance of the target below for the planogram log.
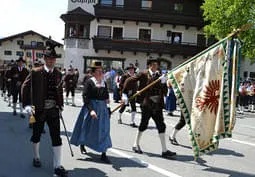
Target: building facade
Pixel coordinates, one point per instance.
(120, 32)
(29, 45)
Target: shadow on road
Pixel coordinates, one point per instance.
(231, 173)
(116, 162)
(226, 152)
(90, 172)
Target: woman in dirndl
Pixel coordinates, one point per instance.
(170, 100)
(92, 128)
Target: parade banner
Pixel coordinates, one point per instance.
(205, 87)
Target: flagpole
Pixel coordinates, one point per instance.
(138, 93)
(234, 86)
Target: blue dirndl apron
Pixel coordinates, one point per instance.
(93, 133)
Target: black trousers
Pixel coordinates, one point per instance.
(133, 107)
(181, 123)
(72, 89)
(16, 94)
(51, 117)
(156, 114)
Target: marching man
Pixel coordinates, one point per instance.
(47, 98)
(152, 104)
(129, 92)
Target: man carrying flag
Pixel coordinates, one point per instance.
(152, 104)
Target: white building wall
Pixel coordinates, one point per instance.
(246, 66)
(14, 47)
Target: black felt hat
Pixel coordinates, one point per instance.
(131, 65)
(152, 60)
(50, 51)
(21, 59)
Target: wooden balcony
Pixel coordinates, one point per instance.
(152, 46)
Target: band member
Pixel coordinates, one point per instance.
(18, 76)
(152, 103)
(70, 84)
(116, 91)
(241, 97)
(92, 127)
(129, 91)
(251, 93)
(7, 79)
(46, 96)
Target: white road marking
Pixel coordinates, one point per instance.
(243, 142)
(145, 164)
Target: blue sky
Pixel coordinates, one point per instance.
(42, 16)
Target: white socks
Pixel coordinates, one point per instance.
(174, 132)
(56, 156)
(14, 106)
(120, 115)
(21, 107)
(133, 117)
(163, 141)
(36, 147)
(138, 138)
(73, 100)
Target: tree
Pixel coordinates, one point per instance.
(222, 16)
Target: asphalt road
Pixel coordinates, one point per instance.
(235, 157)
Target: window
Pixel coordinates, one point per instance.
(145, 34)
(7, 52)
(117, 33)
(39, 55)
(29, 54)
(146, 4)
(20, 42)
(33, 43)
(104, 31)
(40, 44)
(178, 7)
(201, 40)
(252, 74)
(176, 37)
(119, 3)
(106, 2)
(20, 53)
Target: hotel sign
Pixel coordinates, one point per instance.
(86, 5)
(84, 1)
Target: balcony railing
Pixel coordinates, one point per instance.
(144, 15)
(150, 46)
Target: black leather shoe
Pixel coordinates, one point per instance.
(137, 150)
(83, 150)
(173, 141)
(104, 158)
(37, 163)
(14, 113)
(170, 114)
(22, 116)
(168, 154)
(60, 171)
(133, 125)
